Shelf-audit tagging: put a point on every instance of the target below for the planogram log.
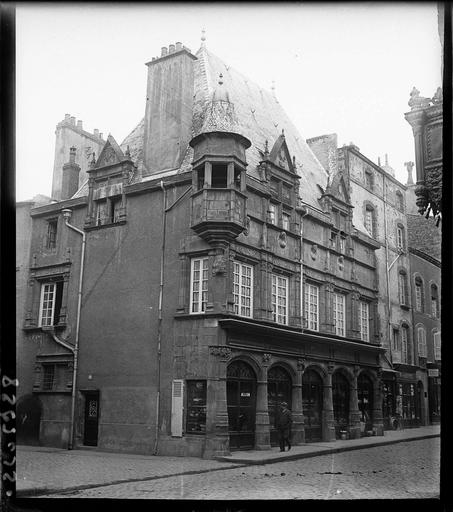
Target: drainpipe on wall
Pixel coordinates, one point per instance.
(161, 292)
(67, 215)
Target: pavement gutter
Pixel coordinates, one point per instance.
(45, 491)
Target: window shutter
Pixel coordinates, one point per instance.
(177, 408)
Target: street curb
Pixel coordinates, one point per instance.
(38, 491)
(328, 451)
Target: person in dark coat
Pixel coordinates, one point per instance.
(284, 421)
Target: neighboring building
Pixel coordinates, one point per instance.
(425, 252)
(28, 427)
(379, 205)
(223, 272)
(70, 133)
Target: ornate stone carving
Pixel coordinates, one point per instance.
(266, 358)
(416, 101)
(219, 264)
(438, 96)
(314, 252)
(330, 367)
(282, 240)
(247, 226)
(301, 364)
(224, 353)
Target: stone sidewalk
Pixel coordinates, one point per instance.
(43, 470)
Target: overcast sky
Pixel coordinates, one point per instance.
(338, 68)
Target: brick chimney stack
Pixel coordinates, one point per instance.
(70, 178)
(168, 115)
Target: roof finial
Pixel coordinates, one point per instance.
(220, 79)
(266, 148)
(273, 86)
(409, 167)
(203, 37)
(386, 159)
(379, 161)
(283, 132)
(128, 152)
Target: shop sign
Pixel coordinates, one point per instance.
(245, 394)
(433, 372)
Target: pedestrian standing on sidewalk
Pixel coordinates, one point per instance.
(284, 421)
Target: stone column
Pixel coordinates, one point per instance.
(328, 424)
(217, 436)
(298, 426)
(378, 420)
(262, 428)
(207, 175)
(354, 413)
(230, 175)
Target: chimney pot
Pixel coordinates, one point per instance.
(164, 51)
(171, 48)
(379, 161)
(79, 124)
(67, 117)
(72, 119)
(100, 135)
(96, 132)
(178, 46)
(386, 159)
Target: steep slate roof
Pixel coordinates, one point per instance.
(260, 118)
(424, 236)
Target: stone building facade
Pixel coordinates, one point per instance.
(194, 285)
(380, 209)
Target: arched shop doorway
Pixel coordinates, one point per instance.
(340, 393)
(312, 397)
(365, 401)
(278, 390)
(241, 403)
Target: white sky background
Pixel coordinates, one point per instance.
(338, 68)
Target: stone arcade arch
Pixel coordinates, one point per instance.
(279, 389)
(365, 399)
(312, 404)
(341, 399)
(241, 404)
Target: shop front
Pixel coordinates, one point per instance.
(279, 389)
(241, 403)
(365, 392)
(312, 400)
(434, 395)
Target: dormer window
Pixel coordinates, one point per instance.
(51, 238)
(108, 210)
(399, 200)
(369, 180)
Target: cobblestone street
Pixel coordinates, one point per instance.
(405, 470)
